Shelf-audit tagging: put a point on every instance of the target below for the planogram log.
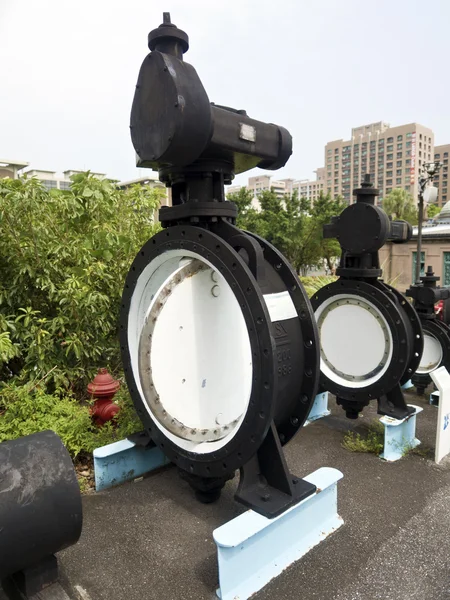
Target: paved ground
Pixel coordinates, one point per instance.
(151, 540)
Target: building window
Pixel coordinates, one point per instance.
(336, 150)
(388, 190)
(390, 147)
(356, 147)
(408, 144)
(422, 265)
(64, 185)
(399, 146)
(388, 181)
(389, 165)
(399, 172)
(399, 163)
(408, 135)
(398, 181)
(445, 154)
(390, 156)
(390, 140)
(50, 184)
(408, 162)
(399, 154)
(420, 136)
(420, 154)
(329, 151)
(381, 142)
(420, 144)
(437, 156)
(446, 257)
(399, 138)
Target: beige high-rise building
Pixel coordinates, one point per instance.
(442, 154)
(392, 155)
(264, 182)
(311, 189)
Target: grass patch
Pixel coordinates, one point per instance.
(422, 450)
(372, 442)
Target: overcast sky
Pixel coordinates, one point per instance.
(68, 71)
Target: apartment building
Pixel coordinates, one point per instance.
(262, 183)
(311, 189)
(11, 168)
(52, 181)
(442, 154)
(392, 155)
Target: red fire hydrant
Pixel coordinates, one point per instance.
(103, 388)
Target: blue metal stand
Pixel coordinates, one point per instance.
(319, 408)
(399, 435)
(408, 385)
(252, 549)
(124, 461)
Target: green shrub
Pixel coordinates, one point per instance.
(64, 256)
(313, 283)
(63, 260)
(372, 443)
(25, 409)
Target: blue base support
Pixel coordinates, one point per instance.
(399, 435)
(252, 549)
(408, 385)
(124, 461)
(319, 408)
(434, 398)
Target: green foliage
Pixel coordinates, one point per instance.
(63, 260)
(26, 409)
(292, 225)
(372, 443)
(64, 256)
(313, 284)
(433, 210)
(399, 204)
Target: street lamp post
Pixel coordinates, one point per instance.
(429, 170)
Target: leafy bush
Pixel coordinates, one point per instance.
(63, 261)
(64, 256)
(373, 442)
(25, 409)
(314, 283)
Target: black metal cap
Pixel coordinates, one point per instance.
(167, 37)
(366, 193)
(429, 277)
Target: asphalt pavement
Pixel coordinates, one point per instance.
(152, 540)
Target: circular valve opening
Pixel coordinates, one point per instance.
(432, 354)
(356, 342)
(194, 359)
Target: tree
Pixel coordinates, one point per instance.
(292, 225)
(399, 204)
(433, 210)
